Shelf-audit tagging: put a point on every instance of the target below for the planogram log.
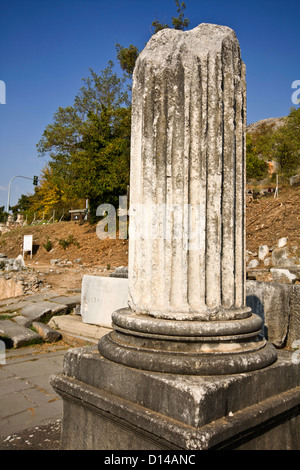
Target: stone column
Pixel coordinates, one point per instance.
(187, 312)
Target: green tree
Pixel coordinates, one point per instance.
(178, 22)
(88, 143)
(286, 145)
(127, 56)
(3, 214)
(256, 168)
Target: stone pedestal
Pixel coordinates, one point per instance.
(108, 406)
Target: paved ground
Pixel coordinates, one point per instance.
(30, 410)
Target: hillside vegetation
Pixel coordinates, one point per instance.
(268, 219)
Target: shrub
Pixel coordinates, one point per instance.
(65, 243)
(48, 245)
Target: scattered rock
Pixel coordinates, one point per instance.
(254, 263)
(281, 257)
(283, 276)
(295, 180)
(121, 271)
(282, 242)
(268, 262)
(18, 263)
(53, 262)
(48, 334)
(263, 251)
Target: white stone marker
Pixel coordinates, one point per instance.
(100, 297)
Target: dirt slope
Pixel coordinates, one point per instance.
(86, 245)
(268, 219)
(87, 255)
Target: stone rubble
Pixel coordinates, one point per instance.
(280, 263)
(24, 321)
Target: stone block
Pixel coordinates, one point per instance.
(16, 336)
(48, 334)
(271, 302)
(108, 406)
(39, 310)
(35, 312)
(10, 288)
(70, 301)
(100, 297)
(294, 328)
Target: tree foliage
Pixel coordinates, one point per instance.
(286, 144)
(280, 145)
(257, 168)
(3, 214)
(88, 143)
(179, 22)
(127, 56)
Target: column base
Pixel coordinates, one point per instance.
(187, 347)
(108, 406)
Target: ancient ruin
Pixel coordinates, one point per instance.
(187, 277)
(186, 366)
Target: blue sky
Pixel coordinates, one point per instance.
(47, 47)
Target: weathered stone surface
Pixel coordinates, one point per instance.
(19, 263)
(263, 252)
(188, 150)
(10, 288)
(70, 301)
(48, 334)
(16, 336)
(282, 242)
(23, 321)
(121, 271)
(281, 257)
(254, 263)
(187, 212)
(100, 297)
(272, 303)
(294, 328)
(40, 311)
(283, 275)
(35, 312)
(108, 406)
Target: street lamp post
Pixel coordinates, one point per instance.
(34, 180)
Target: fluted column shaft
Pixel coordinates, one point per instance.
(186, 252)
(187, 312)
